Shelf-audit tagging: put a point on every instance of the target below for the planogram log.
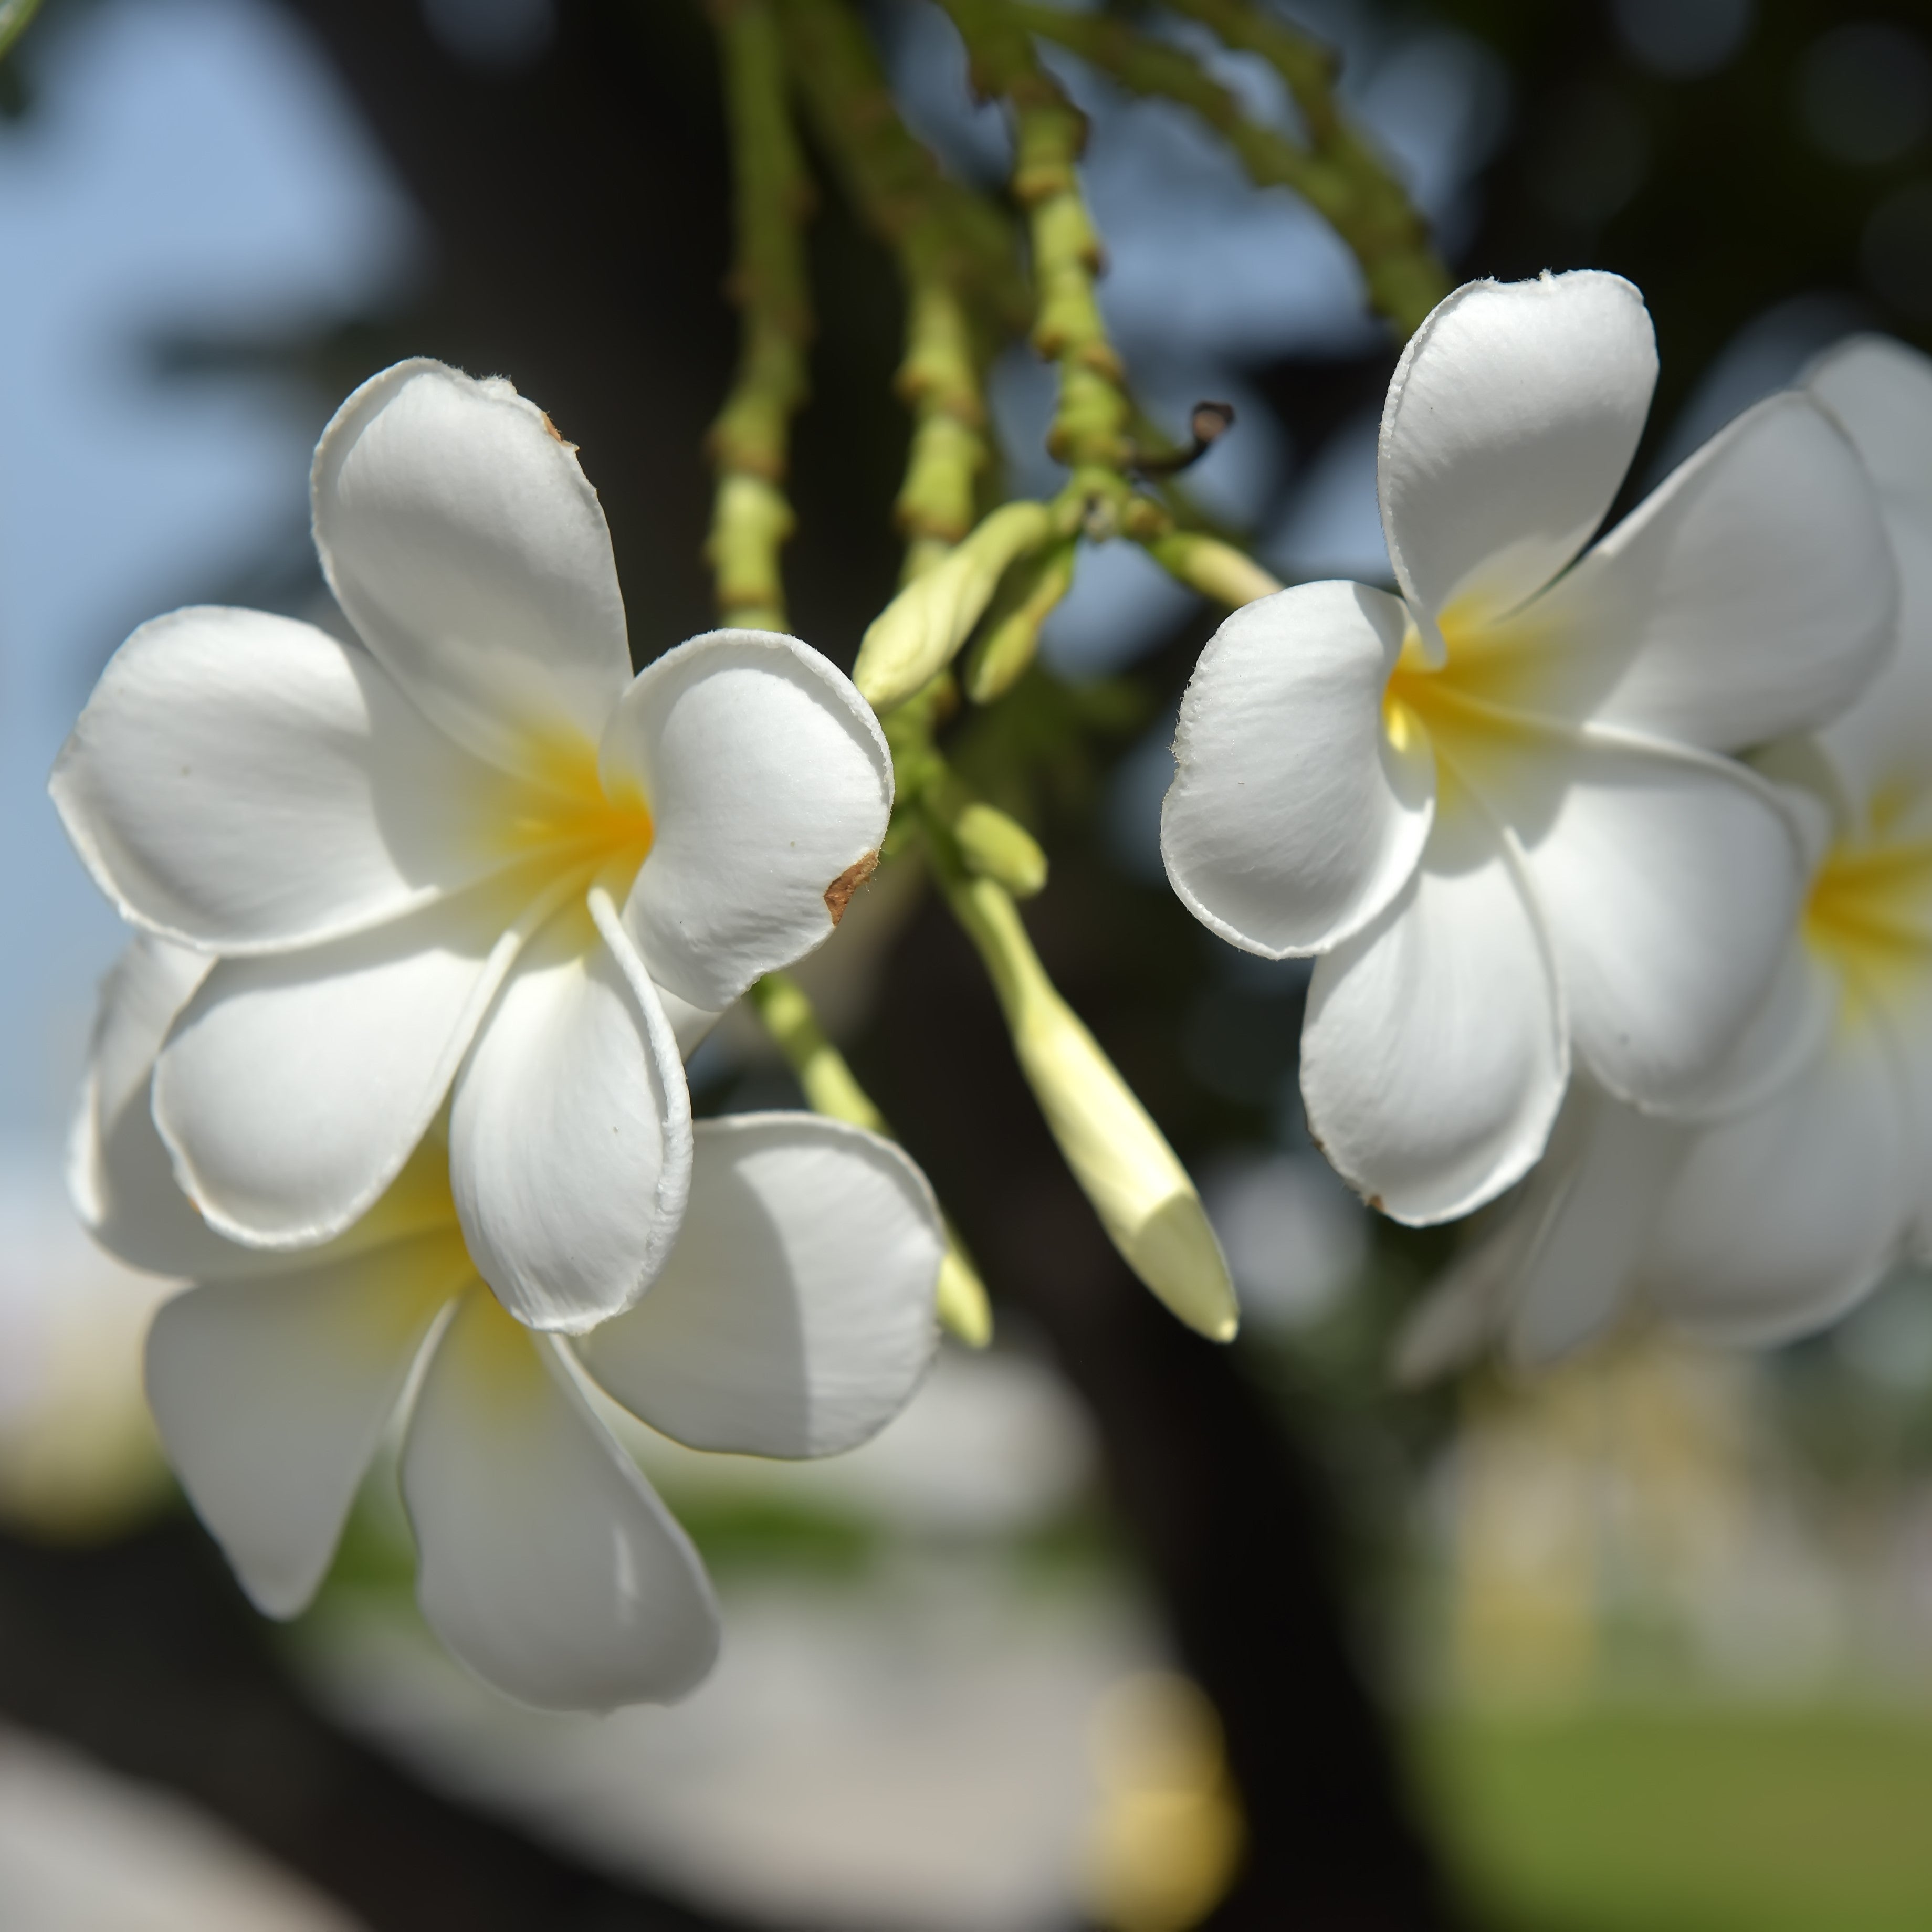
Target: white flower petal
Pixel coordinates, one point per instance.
(546, 1563)
(1880, 750)
(293, 1087)
(1511, 419)
(1906, 1013)
(1791, 1026)
(1293, 819)
(1464, 1309)
(769, 782)
(795, 1316)
(1751, 595)
(1469, 1306)
(271, 1396)
(1881, 392)
(461, 537)
(1580, 1273)
(690, 1026)
(1668, 880)
(248, 783)
(1434, 1056)
(118, 1175)
(570, 1138)
(1779, 1221)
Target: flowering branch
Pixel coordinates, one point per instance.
(956, 262)
(750, 441)
(1015, 568)
(1090, 430)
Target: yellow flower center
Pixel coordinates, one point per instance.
(1469, 697)
(1870, 911)
(564, 810)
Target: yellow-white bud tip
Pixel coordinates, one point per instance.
(1138, 1188)
(917, 635)
(997, 847)
(964, 1312)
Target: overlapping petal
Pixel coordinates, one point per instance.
(769, 785)
(1881, 392)
(1510, 420)
(1790, 1027)
(1779, 1221)
(1294, 818)
(118, 1175)
(461, 539)
(1576, 1278)
(795, 1316)
(293, 1087)
(1435, 1054)
(545, 1561)
(1668, 880)
(570, 1135)
(245, 784)
(1752, 594)
(272, 1395)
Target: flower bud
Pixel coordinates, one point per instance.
(1000, 848)
(1138, 1188)
(917, 634)
(1216, 569)
(1026, 600)
(964, 1310)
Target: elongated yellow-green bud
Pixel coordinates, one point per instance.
(1138, 1188)
(831, 1088)
(1216, 569)
(915, 637)
(1000, 848)
(965, 1311)
(1010, 635)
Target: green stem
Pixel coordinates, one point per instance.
(1339, 173)
(1090, 430)
(14, 15)
(957, 263)
(750, 442)
(830, 1088)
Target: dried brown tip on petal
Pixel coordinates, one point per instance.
(838, 894)
(553, 430)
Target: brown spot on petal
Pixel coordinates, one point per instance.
(556, 433)
(838, 894)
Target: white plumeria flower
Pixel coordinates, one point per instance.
(1792, 1202)
(471, 859)
(793, 1316)
(1491, 807)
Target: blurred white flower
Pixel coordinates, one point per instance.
(1815, 1177)
(792, 1317)
(1493, 806)
(471, 853)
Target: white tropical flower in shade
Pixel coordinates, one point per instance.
(470, 859)
(1492, 807)
(792, 1317)
(1814, 1176)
